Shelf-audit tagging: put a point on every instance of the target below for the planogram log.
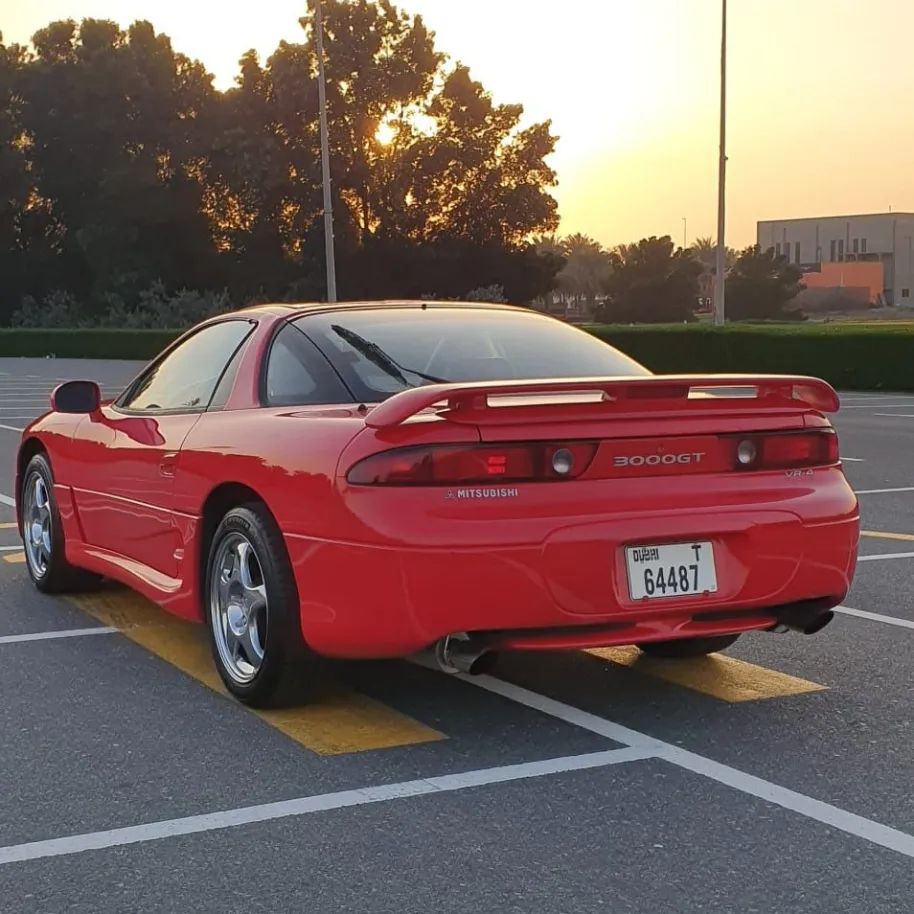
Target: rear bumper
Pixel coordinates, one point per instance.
(569, 589)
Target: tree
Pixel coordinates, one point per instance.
(651, 282)
(113, 121)
(761, 284)
(587, 269)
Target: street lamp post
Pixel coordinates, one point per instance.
(325, 154)
(721, 258)
(685, 232)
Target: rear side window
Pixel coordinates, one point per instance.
(185, 378)
(379, 352)
(298, 375)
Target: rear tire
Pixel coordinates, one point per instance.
(42, 533)
(252, 607)
(688, 647)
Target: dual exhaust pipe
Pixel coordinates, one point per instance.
(459, 654)
(806, 618)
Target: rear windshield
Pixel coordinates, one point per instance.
(381, 352)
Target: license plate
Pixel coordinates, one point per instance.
(671, 570)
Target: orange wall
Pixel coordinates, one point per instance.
(861, 274)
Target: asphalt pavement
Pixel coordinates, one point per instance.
(773, 779)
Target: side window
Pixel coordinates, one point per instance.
(186, 378)
(298, 375)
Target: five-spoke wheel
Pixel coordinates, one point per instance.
(253, 609)
(36, 523)
(238, 607)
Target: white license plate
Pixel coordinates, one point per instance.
(672, 570)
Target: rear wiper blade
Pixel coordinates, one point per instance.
(374, 353)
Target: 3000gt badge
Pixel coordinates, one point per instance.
(500, 492)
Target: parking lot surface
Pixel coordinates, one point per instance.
(773, 779)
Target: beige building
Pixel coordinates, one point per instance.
(886, 238)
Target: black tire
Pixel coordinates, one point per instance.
(282, 644)
(688, 647)
(57, 575)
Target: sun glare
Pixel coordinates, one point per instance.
(385, 134)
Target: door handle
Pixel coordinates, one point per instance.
(168, 464)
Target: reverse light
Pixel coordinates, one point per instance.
(786, 450)
(461, 464)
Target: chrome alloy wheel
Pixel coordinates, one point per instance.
(238, 607)
(36, 524)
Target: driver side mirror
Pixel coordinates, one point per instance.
(80, 397)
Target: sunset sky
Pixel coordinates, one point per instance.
(821, 95)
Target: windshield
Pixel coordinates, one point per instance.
(380, 352)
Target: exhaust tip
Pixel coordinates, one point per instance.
(817, 624)
(459, 655)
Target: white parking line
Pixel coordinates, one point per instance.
(875, 617)
(12, 428)
(838, 818)
(11, 548)
(887, 556)
(879, 406)
(883, 491)
(6, 500)
(895, 415)
(852, 459)
(62, 633)
(154, 831)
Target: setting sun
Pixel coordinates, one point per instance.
(386, 134)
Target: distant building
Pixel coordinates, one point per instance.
(882, 238)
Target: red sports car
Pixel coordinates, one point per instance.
(370, 480)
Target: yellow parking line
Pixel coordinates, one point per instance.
(908, 537)
(716, 675)
(333, 722)
(15, 558)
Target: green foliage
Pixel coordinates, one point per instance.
(494, 293)
(651, 282)
(95, 343)
(849, 356)
(760, 285)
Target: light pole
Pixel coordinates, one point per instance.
(685, 232)
(325, 154)
(721, 259)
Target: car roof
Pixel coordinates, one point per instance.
(278, 309)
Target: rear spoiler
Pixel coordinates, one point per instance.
(479, 401)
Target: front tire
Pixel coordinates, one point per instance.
(42, 533)
(688, 647)
(252, 605)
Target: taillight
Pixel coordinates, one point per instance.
(463, 464)
(785, 451)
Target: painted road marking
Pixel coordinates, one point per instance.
(63, 633)
(15, 558)
(11, 548)
(886, 557)
(879, 405)
(10, 526)
(875, 617)
(6, 500)
(719, 676)
(888, 536)
(893, 415)
(12, 428)
(333, 722)
(844, 459)
(189, 825)
(883, 491)
(841, 819)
